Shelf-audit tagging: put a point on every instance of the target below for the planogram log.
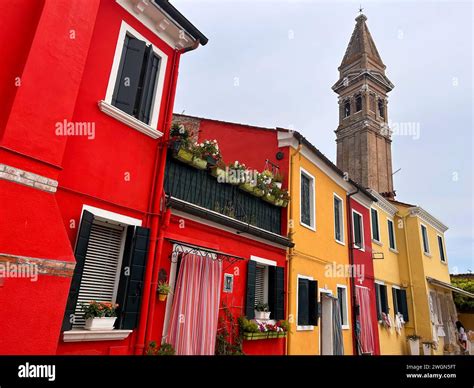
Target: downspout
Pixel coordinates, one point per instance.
(410, 277)
(351, 262)
(290, 250)
(166, 212)
(156, 196)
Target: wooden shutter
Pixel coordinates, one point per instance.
(357, 230)
(132, 276)
(128, 78)
(276, 292)
(148, 85)
(313, 302)
(404, 304)
(383, 298)
(250, 297)
(101, 266)
(80, 255)
(375, 224)
(260, 284)
(303, 302)
(395, 297)
(378, 301)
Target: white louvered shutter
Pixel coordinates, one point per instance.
(101, 267)
(259, 284)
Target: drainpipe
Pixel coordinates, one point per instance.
(410, 277)
(290, 250)
(156, 196)
(351, 261)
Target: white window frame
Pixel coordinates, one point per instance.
(341, 222)
(265, 263)
(312, 200)
(362, 248)
(378, 226)
(106, 104)
(301, 327)
(346, 326)
(438, 236)
(428, 253)
(395, 248)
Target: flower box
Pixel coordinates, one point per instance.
(184, 155)
(258, 192)
(269, 198)
(248, 187)
(264, 335)
(233, 178)
(199, 163)
(218, 172)
(263, 315)
(100, 323)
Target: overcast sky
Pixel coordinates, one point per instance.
(272, 63)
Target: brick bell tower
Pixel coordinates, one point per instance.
(363, 137)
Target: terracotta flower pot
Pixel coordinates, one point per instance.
(162, 297)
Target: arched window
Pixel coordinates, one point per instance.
(347, 108)
(381, 108)
(358, 103)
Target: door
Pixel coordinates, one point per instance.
(327, 334)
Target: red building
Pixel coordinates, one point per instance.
(87, 92)
(364, 295)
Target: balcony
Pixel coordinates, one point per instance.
(198, 187)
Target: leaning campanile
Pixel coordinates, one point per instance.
(363, 137)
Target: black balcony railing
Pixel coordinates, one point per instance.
(200, 188)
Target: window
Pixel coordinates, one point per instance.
(400, 302)
(358, 101)
(441, 249)
(374, 216)
(307, 215)
(265, 283)
(424, 235)
(338, 219)
(103, 250)
(381, 299)
(391, 235)
(136, 79)
(381, 108)
(347, 108)
(307, 315)
(342, 298)
(358, 230)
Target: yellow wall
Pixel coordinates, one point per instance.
(314, 250)
(387, 271)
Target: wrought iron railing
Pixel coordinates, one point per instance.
(201, 188)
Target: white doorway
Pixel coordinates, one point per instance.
(327, 327)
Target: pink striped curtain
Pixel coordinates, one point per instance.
(366, 329)
(195, 311)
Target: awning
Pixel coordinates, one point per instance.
(448, 286)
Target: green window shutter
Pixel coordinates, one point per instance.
(383, 298)
(303, 302)
(375, 224)
(132, 275)
(404, 304)
(313, 302)
(250, 297)
(80, 255)
(276, 292)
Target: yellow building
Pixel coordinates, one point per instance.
(319, 261)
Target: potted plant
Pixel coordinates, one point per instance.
(260, 187)
(235, 174)
(164, 350)
(262, 311)
(199, 160)
(272, 194)
(210, 152)
(163, 291)
(414, 344)
(180, 143)
(99, 315)
(250, 181)
(278, 179)
(427, 346)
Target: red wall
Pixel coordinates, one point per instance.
(364, 258)
(217, 239)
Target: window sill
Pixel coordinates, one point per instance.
(313, 228)
(393, 250)
(340, 242)
(304, 328)
(377, 242)
(345, 327)
(80, 335)
(131, 121)
(427, 254)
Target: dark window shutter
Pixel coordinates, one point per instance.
(375, 224)
(148, 85)
(303, 302)
(276, 292)
(404, 304)
(378, 301)
(128, 77)
(80, 255)
(130, 289)
(395, 297)
(250, 298)
(337, 225)
(383, 299)
(357, 231)
(313, 302)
